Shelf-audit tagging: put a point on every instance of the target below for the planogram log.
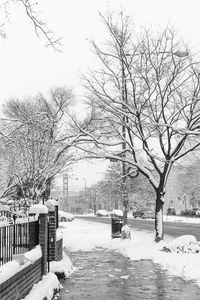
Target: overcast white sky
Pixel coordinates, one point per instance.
(27, 67)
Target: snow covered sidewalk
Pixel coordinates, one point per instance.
(83, 235)
(87, 235)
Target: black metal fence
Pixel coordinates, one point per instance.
(17, 239)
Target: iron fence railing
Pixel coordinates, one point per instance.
(17, 239)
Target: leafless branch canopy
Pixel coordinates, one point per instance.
(31, 10)
(145, 96)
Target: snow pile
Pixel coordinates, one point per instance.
(125, 232)
(183, 244)
(44, 289)
(51, 202)
(34, 254)
(63, 267)
(117, 212)
(59, 234)
(8, 270)
(38, 209)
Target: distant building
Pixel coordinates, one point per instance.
(181, 191)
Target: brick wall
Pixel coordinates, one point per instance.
(19, 285)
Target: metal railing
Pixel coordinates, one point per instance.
(17, 238)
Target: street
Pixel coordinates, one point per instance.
(174, 229)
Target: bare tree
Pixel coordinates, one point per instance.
(144, 99)
(32, 12)
(34, 145)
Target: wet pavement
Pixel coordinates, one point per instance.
(103, 275)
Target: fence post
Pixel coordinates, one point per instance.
(53, 205)
(43, 232)
(43, 240)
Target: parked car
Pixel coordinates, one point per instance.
(171, 211)
(64, 216)
(102, 213)
(148, 214)
(138, 213)
(185, 213)
(190, 212)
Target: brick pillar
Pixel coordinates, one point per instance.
(43, 240)
(52, 235)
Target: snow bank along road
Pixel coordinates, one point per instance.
(174, 229)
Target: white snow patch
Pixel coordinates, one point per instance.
(111, 275)
(8, 270)
(63, 266)
(117, 212)
(38, 209)
(44, 288)
(34, 254)
(184, 244)
(51, 202)
(59, 234)
(124, 277)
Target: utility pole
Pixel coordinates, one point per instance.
(124, 101)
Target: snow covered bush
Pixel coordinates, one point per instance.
(183, 244)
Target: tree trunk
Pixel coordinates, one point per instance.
(159, 228)
(125, 219)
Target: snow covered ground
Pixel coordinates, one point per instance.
(86, 235)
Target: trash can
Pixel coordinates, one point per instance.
(116, 226)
